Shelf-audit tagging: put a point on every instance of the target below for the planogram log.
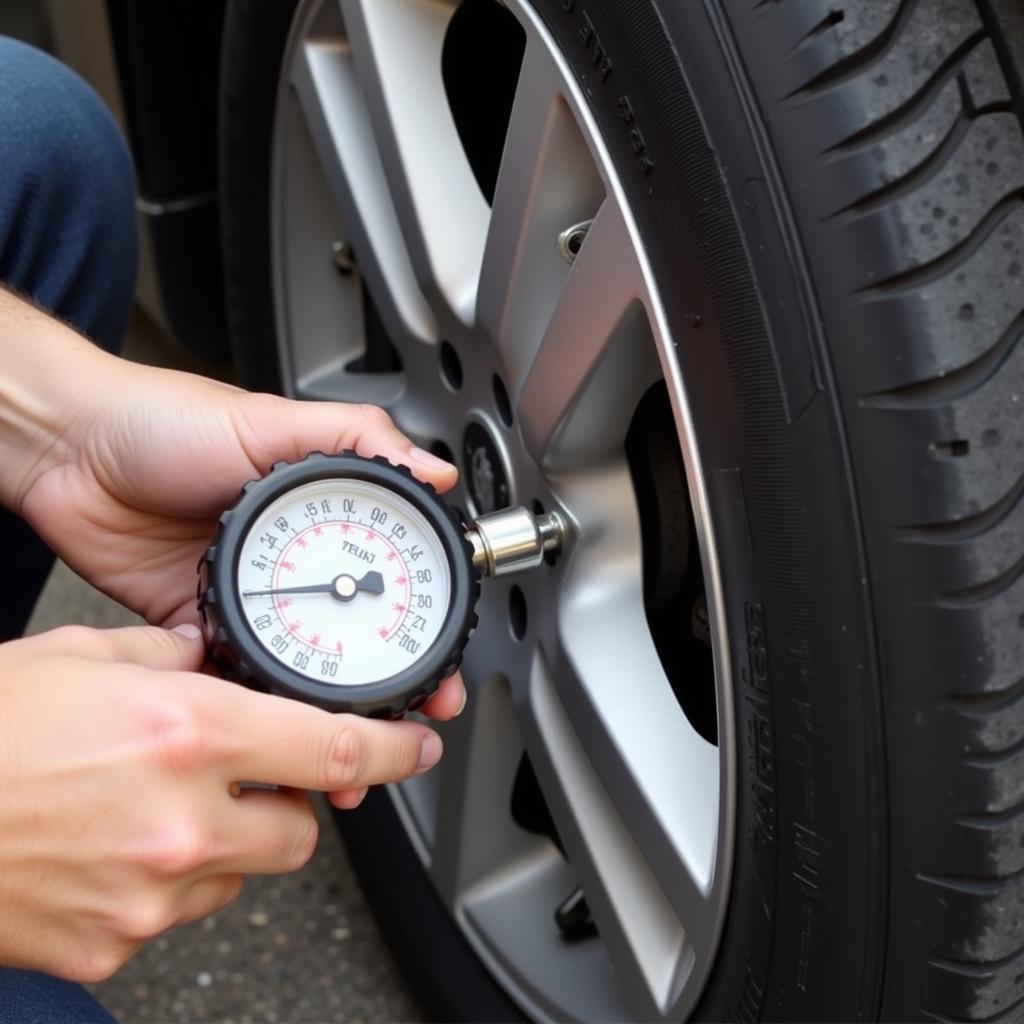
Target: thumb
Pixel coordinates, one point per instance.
(371, 431)
(180, 649)
(285, 429)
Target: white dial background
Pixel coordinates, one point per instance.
(389, 580)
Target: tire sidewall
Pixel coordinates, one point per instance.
(800, 940)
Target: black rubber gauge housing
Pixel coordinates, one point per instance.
(241, 656)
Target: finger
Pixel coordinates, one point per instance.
(178, 649)
(265, 832)
(281, 429)
(348, 799)
(209, 895)
(285, 742)
(372, 432)
(441, 475)
(449, 700)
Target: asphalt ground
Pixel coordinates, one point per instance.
(300, 948)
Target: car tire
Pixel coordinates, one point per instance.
(253, 42)
(830, 197)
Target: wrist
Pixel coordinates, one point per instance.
(46, 370)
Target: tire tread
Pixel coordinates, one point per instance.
(900, 155)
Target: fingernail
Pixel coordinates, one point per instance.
(360, 797)
(188, 630)
(428, 460)
(430, 752)
(462, 706)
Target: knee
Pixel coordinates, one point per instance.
(59, 139)
(67, 204)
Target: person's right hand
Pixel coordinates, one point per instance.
(120, 808)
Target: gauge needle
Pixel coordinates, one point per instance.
(343, 587)
(372, 583)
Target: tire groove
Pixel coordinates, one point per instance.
(979, 969)
(830, 21)
(912, 108)
(994, 885)
(856, 63)
(914, 178)
(1010, 68)
(961, 531)
(988, 821)
(958, 383)
(941, 266)
(982, 593)
(993, 758)
(990, 702)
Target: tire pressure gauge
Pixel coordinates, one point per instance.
(346, 583)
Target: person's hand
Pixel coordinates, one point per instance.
(131, 480)
(154, 456)
(121, 813)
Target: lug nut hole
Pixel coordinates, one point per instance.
(502, 401)
(451, 366)
(517, 612)
(570, 241)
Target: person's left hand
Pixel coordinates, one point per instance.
(156, 459)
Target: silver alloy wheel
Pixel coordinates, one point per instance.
(371, 187)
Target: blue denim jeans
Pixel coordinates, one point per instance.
(67, 241)
(67, 236)
(27, 997)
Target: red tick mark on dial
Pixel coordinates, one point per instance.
(318, 531)
(288, 566)
(370, 535)
(302, 542)
(398, 607)
(382, 631)
(315, 639)
(345, 528)
(401, 580)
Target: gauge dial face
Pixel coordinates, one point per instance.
(344, 582)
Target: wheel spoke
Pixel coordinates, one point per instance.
(527, 145)
(659, 770)
(547, 182)
(397, 48)
(474, 834)
(324, 81)
(599, 696)
(639, 925)
(596, 357)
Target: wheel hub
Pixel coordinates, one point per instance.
(483, 470)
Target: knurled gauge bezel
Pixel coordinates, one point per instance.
(234, 645)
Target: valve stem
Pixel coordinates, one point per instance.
(570, 241)
(514, 540)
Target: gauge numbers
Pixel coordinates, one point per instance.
(344, 581)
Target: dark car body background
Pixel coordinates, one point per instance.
(157, 67)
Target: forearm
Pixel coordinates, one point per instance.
(46, 370)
